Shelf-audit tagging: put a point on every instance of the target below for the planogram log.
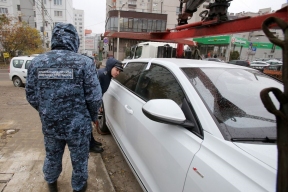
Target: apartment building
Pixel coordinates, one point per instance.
(79, 25)
(44, 14)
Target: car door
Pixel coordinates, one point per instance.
(119, 91)
(18, 68)
(159, 153)
(25, 69)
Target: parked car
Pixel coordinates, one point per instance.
(259, 65)
(191, 125)
(240, 62)
(213, 59)
(274, 62)
(18, 70)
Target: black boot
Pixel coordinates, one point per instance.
(52, 187)
(83, 188)
(96, 149)
(96, 142)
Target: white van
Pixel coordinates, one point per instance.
(18, 70)
(154, 50)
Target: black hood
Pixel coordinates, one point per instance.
(65, 37)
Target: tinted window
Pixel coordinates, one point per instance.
(27, 64)
(17, 63)
(233, 97)
(130, 75)
(232, 62)
(159, 83)
(138, 52)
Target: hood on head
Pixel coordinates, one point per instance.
(65, 37)
(110, 63)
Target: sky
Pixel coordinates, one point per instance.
(95, 10)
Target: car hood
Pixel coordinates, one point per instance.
(265, 153)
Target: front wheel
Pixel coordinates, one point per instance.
(102, 128)
(17, 82)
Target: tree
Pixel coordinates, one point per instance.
(234, 55)
(19, 37)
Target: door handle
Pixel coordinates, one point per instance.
(128, 109)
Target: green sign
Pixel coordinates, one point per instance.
(213, 40)
(239, 41)
(264, 45)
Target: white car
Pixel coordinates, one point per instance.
(260, 65)
(274, 62)
(18, 70)
(189, 125)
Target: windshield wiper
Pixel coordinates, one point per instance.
(264, 140)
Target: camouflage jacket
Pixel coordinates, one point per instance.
(63, 87)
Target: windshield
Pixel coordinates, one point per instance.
(233, 98)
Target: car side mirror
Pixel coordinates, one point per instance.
(165, 111)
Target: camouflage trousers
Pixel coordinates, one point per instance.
(79, 153)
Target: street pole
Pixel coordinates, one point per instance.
(120, 8)
(117, 55)
(43, 18)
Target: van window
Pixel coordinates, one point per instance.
(138, 52)
(27, 64)
(18, 63)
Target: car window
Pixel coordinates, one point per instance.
(159, 83)
(27, 64)
(17, 63)
(232, 62)
(232, 95)
(130, 75)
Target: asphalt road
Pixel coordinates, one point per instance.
(4, 75)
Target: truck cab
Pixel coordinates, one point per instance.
(154, 50)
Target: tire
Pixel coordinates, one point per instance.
(17, 82)
(102, 127)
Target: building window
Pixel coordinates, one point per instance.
(177, 10)
(3, 0)
(20, 19)
(44, 1)
(80, 15)
(35, 25)
(130, 23)
(33, 2)
(80, 23)
(18, 8)
(57, 2)
(34, 13)
(58, 13)
(3, 10)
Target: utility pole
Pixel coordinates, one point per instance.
(43, 18)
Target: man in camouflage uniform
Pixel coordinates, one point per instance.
(63, 87)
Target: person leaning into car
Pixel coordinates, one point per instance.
(63, 87)
(112, 69)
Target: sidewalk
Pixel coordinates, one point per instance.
(21, 159)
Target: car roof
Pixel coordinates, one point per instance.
(182, 63)
(260, 62)
(23, 57)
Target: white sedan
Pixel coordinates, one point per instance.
(189, 125)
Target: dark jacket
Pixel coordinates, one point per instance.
(105, 74)
(63, 87)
